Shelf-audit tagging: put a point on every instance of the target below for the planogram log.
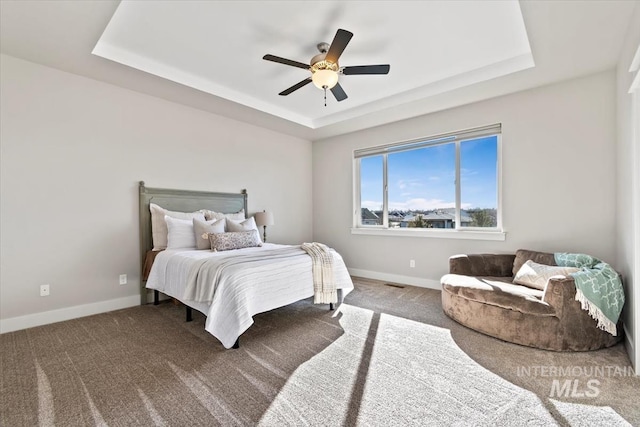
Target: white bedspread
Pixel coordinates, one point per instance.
(244, 292)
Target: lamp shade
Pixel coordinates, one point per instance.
(264, 218)
(322, 78)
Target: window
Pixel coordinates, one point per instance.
(449, 182)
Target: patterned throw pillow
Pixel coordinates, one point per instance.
(536, 275)
(234, 240)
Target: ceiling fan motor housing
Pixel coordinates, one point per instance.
(323, 47)
(318, 62)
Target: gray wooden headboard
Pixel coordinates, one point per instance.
(182, 201)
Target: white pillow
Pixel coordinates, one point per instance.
(180, 233)
(536, 275)
(159, 225)
(202, 229)
(246, 225)
(209, 215)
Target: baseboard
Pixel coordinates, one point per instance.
(396, 278)
(630, 347)
(53, 316)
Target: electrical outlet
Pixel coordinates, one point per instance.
(44, 290)
(412, 263)
(123, 279)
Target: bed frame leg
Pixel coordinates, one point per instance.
(237, 343)
(156, 297)
(189, 313)
(330, 306)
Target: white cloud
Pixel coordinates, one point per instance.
(404, 183)
(468, 172)
(412, 204)
(371, 204)
(420, 204)
(423, 204)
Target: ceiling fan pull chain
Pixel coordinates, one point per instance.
(325, 95)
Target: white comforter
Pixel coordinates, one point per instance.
(246, 292)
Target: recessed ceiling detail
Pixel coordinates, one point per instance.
(217, 47)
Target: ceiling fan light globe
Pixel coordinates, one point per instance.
(325, 78)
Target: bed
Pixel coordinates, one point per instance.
(251, 280)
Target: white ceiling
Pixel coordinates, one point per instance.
(217, 47)
(208, 54)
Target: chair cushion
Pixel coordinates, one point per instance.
(497, 291)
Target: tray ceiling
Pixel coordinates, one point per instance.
(217, 47)
(432, 47)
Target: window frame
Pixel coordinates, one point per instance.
(459, 232)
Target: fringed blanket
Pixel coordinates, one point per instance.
(598, 288)
(323, 281)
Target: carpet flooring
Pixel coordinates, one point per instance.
(387, 357)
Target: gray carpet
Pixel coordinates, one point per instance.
(388, 357)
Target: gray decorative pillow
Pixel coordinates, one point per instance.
(203, 228)
(244, 225)
(234, 240)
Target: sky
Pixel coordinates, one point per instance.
(424, 179)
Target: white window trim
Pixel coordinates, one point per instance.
(470, 233)
(431, 233)
(634, 91)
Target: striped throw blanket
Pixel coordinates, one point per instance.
(205, 274)
(598, 288)
(324, 285)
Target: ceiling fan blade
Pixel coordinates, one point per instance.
(285, 61)
(339, 93)
(295, 87)
(367, 69)
(338, 44)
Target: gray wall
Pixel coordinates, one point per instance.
(628, 216)
(559, 185)
(72, 152)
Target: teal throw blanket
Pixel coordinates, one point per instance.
(598, 288)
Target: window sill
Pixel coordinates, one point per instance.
(431, 233)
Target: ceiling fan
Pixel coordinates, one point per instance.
(325, 69)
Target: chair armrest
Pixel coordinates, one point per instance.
(482, 265)
(560, 292)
